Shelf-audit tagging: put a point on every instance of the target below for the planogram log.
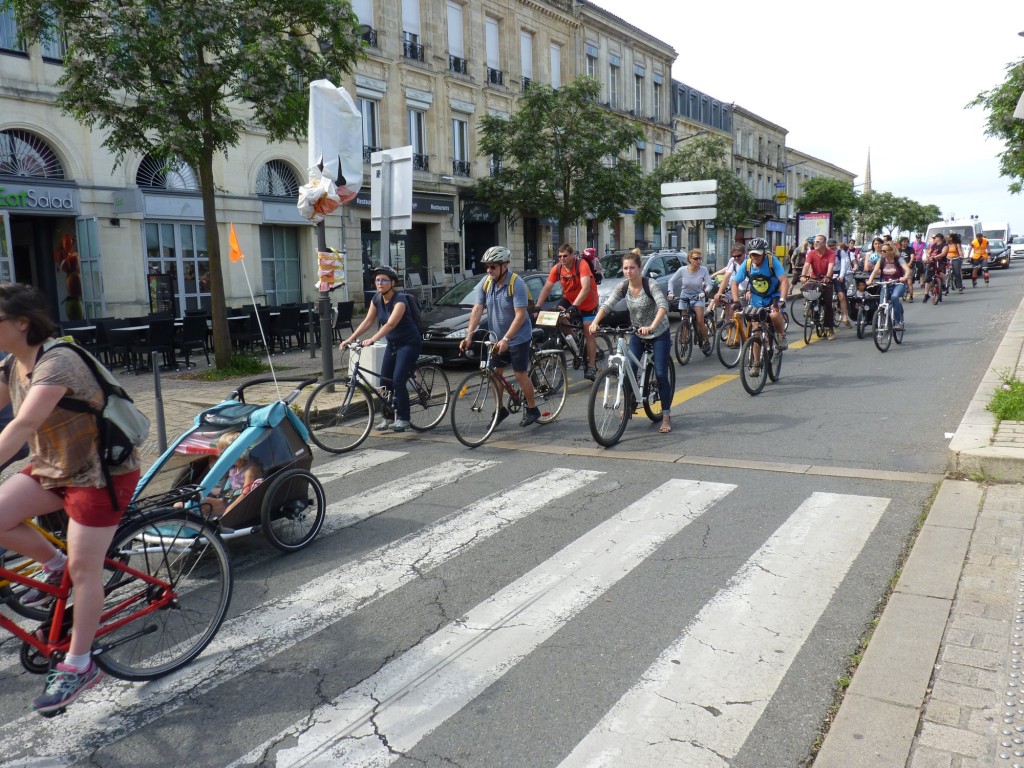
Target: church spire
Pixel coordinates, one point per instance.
(867, 173)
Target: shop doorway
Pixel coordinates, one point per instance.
(44, 253)
(479, 237)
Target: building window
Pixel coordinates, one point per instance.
(418, 140)
(638, 94)
(276, 179)
(494, 164)
(279, 259)
(10, 40)
(556, 66)
(640, 157)
(411, 47)
(166, 174)
(592, 65)
(179, 250)
(656, 105)
(25, 154)
(456, 49)
(54, 46)
(364, 13)
(492, 39)
(613, 86)
(460, 147)
(526, 57)
(368, 108)
(658, 157)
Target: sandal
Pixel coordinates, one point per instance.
(666, 427)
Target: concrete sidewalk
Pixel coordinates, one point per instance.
(941, 683)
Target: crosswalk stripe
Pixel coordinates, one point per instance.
(117, 708)
(411, 696)
(696, 705)
(353, 462)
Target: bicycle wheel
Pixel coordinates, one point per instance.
(608, 407)
(897, 334)
(550, 384)
(11, 592)
(774, 361)
(339, 414)
(605, 346)
(808, 330)
(862, 321)
(797, 309)
(785, 321)
(682, 343)
(729, 344)
(711, 329)
(882, 329)
(187, 557)
(753, 372)
(293, 509)
(653, 406)
(474, 409)
(429, 396)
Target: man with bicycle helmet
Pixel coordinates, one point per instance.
(392, 312)
(768, 284)
(505, 297)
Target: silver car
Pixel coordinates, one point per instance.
(659, 266)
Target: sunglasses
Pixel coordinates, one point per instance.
(493, 266)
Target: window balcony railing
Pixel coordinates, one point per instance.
(367, 151)
(411, 50)
(494, 167)
(369, 34)
(767, 207)
(456, 64)
(460, 168)
(420, 162)
(495, 76)
(526, 83)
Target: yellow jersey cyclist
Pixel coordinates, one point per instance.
(768, 284)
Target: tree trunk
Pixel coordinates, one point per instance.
(221, 336)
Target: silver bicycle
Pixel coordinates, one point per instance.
(616, 391)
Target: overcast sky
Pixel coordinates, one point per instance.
(892, 75)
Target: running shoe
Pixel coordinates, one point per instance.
(400, 425)
(783, 344)
(589, 373)
(64, 684)
(502, 415)
(35, 598)
(383, 425)
(529, 417)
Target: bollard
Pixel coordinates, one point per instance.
(158, 404)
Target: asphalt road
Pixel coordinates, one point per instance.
(684, 600)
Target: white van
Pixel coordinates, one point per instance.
(997, 231)
(968, 229)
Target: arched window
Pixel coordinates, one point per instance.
(25, 154)
(277, 179)
(166, 174)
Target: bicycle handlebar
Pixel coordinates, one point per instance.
(302, 381)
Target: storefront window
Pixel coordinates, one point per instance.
(179, 250)
(279, 255)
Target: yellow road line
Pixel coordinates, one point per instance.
(701, 387)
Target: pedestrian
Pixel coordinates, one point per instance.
(66, 471)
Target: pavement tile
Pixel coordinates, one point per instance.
(956, 740)
(969, 696)
(868, 733)
(935, 563)
(926, 757)
(944, 713)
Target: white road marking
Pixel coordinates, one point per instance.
(353, 462)
(696, 705)
(116, 708)
(377, 721)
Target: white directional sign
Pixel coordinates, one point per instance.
(689, 187)
(689, 200)
(689, 214)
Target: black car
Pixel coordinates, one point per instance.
(998, 256)
(444, 324)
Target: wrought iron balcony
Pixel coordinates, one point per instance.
(526, 83)
(460, 168)
(369, 34)
(367, 151)
(495, 76)
(456, 64)
(420, 162)
(767, 207)
(411, 50)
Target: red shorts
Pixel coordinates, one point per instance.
(91, 507)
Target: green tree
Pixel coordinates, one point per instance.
(700, 158)
(1000, 103)
(825, 194)
(560, 155)
(884, 212)
(923, 215)
(183, 79)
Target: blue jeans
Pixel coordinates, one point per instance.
(398, 364)
(894, 298)
(662, 351)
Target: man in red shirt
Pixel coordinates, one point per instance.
(578, 291)
(820, 260)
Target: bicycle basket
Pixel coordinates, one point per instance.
(811, 291)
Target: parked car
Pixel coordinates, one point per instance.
(658, 266)
(1016, 247)
(444, 325)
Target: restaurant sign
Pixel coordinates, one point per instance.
(39, 199)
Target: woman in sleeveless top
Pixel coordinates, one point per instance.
(891, 267)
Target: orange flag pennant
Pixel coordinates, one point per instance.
(236, 252)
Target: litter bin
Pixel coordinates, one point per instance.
(371, 359)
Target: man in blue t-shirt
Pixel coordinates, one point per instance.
(768, 284)
(508, 320)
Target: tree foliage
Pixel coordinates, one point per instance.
(825, 194)
(560, 155)
(884, 211)
(1000, 102)
(184, 78)
(703, 157)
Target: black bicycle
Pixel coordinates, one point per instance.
(761, 358)
(689, 331)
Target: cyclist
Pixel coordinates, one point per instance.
(648, 312)
(935, 266)
(690, 283)
(871, 257)
(979, 255)
(507, 317)
(839, 270)
(391, 310)
(820, 261)
(66, 471)
(955, 254)
(919, 247)
(768, 284)
(579, 294)
(727, 272)
(893, 267)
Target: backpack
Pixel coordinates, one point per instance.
(511, 290)
(410, 302)
(774, 260)
(120, 426)
(595, 268)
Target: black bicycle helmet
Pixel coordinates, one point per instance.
(757, 245)
(497, 254)
(387, 271)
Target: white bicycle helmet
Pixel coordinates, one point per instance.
(497, 254)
